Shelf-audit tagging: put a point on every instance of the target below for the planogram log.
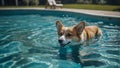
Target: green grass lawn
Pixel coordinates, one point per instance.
(93, 7)
(76, 6)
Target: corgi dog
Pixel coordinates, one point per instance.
(76, 34)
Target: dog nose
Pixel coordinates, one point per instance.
(60, 41)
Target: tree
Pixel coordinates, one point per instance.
(31, 2)
(69, 1)
(3, 2)
(26, 2)
(16, 2)
(34, 2)
(113, 2)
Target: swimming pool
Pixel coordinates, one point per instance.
(28, 39)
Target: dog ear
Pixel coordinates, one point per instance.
(59, 25)
(79, 27)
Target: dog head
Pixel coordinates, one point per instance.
(68, 35)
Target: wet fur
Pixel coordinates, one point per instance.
(79, 32)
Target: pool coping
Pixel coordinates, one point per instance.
(110, 14)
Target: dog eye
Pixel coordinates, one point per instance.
(69, 34)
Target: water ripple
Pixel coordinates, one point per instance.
(28, 41)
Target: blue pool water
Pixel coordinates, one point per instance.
(29, 39)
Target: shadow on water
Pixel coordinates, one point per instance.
(69, 52)
(93, 63)
(72, 53)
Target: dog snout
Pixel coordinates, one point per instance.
(60, 41)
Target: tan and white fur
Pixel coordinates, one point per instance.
(76, 34)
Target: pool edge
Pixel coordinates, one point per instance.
(68, 10)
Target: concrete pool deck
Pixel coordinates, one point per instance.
(84, 11)
(95, 12)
